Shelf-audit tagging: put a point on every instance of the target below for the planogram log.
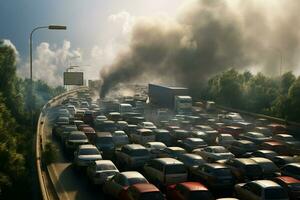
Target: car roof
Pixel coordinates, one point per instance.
(261, 160)
(168, 161)
(87, 146)
(145, 187)
(294, 164)
(266, 183)
(175, 148)
(104, 162)
(288, 179)
(245, 161)
(87, 128)
(161, 131)
(195, 139)
(133, 146)
(216, 147)
(273, 143)
(144, 130)
(255, 133)
(265, 151)
(132, 174)
(191, 155)
(103, 134)
(193, 186)
(77, 133)
(244, 141)
(156, 143)
(284, 135)
(234, 127)
(216, 165)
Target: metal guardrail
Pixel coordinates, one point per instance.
(44, 177)
(293, 126)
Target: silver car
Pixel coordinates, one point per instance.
(86, 154)
(100, 170)
(120, 138)
(260, 190)
(121, 182)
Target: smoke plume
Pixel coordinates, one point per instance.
(209, 36)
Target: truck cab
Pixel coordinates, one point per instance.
(183, 104)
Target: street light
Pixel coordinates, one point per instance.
(50, 27)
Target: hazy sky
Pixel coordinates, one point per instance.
(94, 26)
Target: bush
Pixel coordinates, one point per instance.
(50, 153)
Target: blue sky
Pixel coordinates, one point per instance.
(95, 27)
(86, 20)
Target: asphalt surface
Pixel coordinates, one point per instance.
(70, 184)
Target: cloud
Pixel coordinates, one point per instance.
(49, 63)
(125, 19)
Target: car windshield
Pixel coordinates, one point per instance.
(77, 137)
(175, 169)
(151, 196)
(137, 180)
(103, 140)
(91, 151)
(106, 167)
(200, 195)
(227, 137)
(70, 128)
(223, 172)
(219, 150)
(252, 169)
(289, 139)
(275, 193)
(195, 161)
(139, 152)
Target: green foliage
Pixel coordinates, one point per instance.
(259, 93)
(50, 153)
(16, 155)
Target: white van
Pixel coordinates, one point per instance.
(165, 171)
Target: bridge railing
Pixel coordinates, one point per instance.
(44, 176)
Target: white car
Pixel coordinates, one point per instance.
(132, 156)
(165, 171)
(121, 182)
(142, 136)
(86, 154)
(120, 138)
(71, 109)
(63, 112)
(214, 153)
(225, 139)
(260, 190)
(100, 170)
(155, 148)
(147, 125)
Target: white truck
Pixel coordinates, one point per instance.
(125, 108)
(183, 104)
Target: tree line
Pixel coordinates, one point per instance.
(16, 136)
(274, 96)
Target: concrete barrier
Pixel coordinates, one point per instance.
(44, 175)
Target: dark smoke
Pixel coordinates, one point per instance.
(209, 36)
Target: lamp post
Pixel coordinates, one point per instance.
(50, 27)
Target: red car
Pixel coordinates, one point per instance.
(277, 128)
(290, 184)
(81, 126)
(141, 191)
(89, 132)
(235, 131)
(188, 191)
(278, 147)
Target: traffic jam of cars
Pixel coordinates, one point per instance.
(138, 148)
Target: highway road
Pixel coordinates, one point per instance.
(69, 183)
